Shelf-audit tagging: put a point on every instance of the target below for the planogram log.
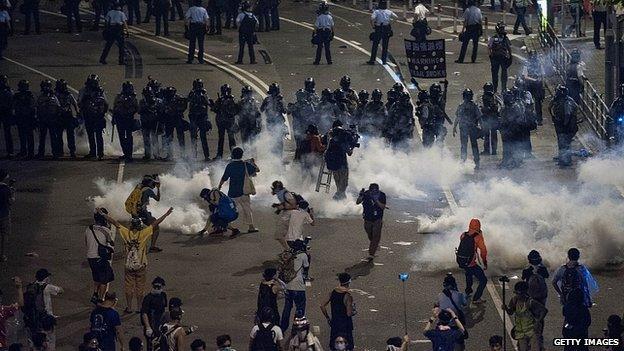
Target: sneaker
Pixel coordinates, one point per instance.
(370, 258)
(478, 302)
(253, 230)
(155, 249)
(235, 233)
(370, 62)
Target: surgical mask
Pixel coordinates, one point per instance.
(157, 291)
(340, 346)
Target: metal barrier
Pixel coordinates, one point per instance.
(594, 108)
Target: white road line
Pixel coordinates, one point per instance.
(120, 171)
(355, 42)
(38, 72)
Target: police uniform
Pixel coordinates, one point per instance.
(510, 130)
(93, 106)
(72, 12)
(468, 118)
(198, 118)
(148, 110)
(324, 30)
(426, 119)
(263, 10)
(68, 121)
(574, 79)
(48, 115)
(249, 118)
(231, 12)
(472, 25)
(327, 111)
(161, 13)
(500, 59)
(6, 114)
(375, 114)
(247, 23)
(302, 112)
(24, 106)
(274, 110)
(490, 111)
(31, 9)
(381, 19)
(197, 18)
(173, 107)
(563, 110)
(124, 109)
(399, 125)
(438, 103)
(114, 32)
(225, 109)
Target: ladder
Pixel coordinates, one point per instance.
(324, 178)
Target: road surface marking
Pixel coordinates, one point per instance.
(120, 171)
(38, 72)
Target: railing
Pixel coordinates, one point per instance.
(592, 104)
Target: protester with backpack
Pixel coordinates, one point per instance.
(528, 316)
(342, 312)
(153, 311)
(288, 201)
(576, 319)
(135, 242)
(266, 336)
(138, 200)
(8, 311)
(268, 291)
(100, 242)
(223, 211)
(535, 275)
(574, 276)
(470, 243)
(291, 273)
(38, 300)
(239, 173)
(106, 324)
(373, 203)
(172, 333)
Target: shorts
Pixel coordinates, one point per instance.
(101, 271)
(134, 282)
(146, 217)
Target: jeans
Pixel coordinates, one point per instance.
(600, 20)
(498, 64)
(521, 20)
(299, 298)
(382, 33)
(197, 33)
(246, 39)
(471, 33)
(471, 133)
(477, 272)
(373, 230)
(324, 42)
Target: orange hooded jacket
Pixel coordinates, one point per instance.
(474, 228)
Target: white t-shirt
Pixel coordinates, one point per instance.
(277, 332)
(92, 245)
(298, 284)
(47, 296)
(295, 224)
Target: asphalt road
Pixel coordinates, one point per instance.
(217, 278)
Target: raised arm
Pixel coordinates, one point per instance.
(110, 219)
(162, 218)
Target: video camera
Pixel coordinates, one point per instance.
(353, 136)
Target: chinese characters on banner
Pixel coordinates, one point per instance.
(426, 59)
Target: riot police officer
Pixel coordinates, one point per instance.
(533, 77)
(350, 94)
(490, 106)
(249, 118)
(125, 107)
(226, 110)
(69, 123)
(616, 118)
(468, 117)
(528, 122)
(327, 111)
(6, 113)
(344, 105)
(48, 114)
(198, 117)
(149, 112)
(302, 112)
(437, 97)
(172, 110)
(375, 114)
(359, 114)
(24, 107)
(155, 86)
(393, 94)
(274, 110)
(399, 126)
(563, 110)
(510, 130)
(426, 118)
(93, 106)
(575, 75)
(309, 86)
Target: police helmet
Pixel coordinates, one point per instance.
(226, 89)
(93, 80)
(404, 97)
(170, 92)
(309, 84)
(423, 95)
(467, 94)
(519, 83)
(339, 95)
(274, 89)
(323, 7)
(561, 90)
(61, 85)
(205, 192)
(326, 94)
(245, 6)
(4, 80)
(127, 88)
(376, 95)
(508, 97)
(345, 82)
(397, 87)
(148, 92)
(154, 84)
(300, 95)
(46, 85)
(312, 129)
(246, 90)
(575, 55)
(363, 95)
(488, 87)
(23, 85)
(198, 84)
(500, 28)
(435, 89)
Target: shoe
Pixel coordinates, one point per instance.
(370, 258)
(202, 62)
(252, 230)
(189, 62)
(235, 233)
(330, 62)
(217, 231)
(103, 62)
(384, 63)
(155, 249)
(478, 302)
(100, 158)
(515, 32)
(370, 62)
(599, 47)
(458, 61)
(315, 63)
(88, 157)
(253, 62)
(147, 158)
(238, 62)
(218, 157)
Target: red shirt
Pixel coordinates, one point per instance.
(6, 312)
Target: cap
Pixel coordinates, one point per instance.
(42, 274)
(158, 280)
(175, 302)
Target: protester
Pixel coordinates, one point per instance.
(223, 211)
(496, 343)
(574, 276)
(443, 336)
(265, 335)
(153, 310)
(342, 312)
(576, 319)
(373, 203)
(135, 241)
(295, 284)
(135, 344)
(614, 330)
(268, 292)
(287, 203)
(451, 298)
(239, 173)
(173, 333)
(224, 343)
(535, 275)
(303, 214)
(106, 324)
(301, 338)
(8, 311)
(7, 198)
(100, 242)
(200, 345)
(89, 342)
(471, 243)
(528, 316)
(38, 300)
(340, 343)
(149, 183)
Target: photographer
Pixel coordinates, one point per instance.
(7, 197)
(374, 203)
(287, 203)
(340, 143)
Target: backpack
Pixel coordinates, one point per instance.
(524, 322)
(48, 105)
(465, 253)
(286, 269)
(166, 342)
(226, 208)
(133, 256)
(571, 280)
(105, 252)
(34, 305)
(500, 49)
(263, 341)
(298, 198)
(134, 200)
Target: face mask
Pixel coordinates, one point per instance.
(302, 335)
(340, 346)
(157, 291)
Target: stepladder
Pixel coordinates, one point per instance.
(324, 178)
